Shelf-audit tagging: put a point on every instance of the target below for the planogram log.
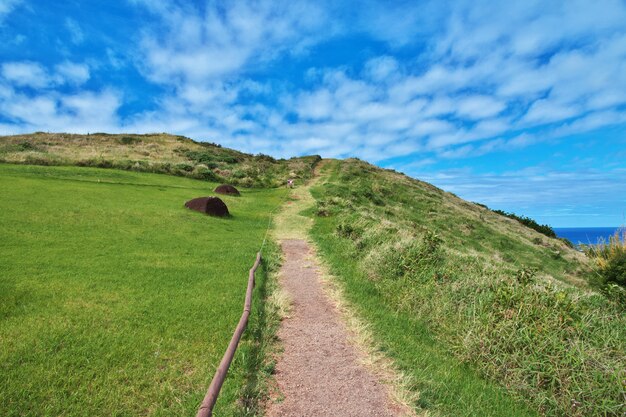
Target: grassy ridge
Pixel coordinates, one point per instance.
(437, 276)
(114, 299)
(156, 153)
(445, 386)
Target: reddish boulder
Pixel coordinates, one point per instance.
(209, 205)
(227, 189)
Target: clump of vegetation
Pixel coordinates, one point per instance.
(25, 146)
(129, 140)
(528, 222)
(609, 258)
(496, 295)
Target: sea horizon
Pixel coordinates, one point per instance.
(586, 235)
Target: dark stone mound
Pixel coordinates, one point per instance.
(209, 205)
(227, 190)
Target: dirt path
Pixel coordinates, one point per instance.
(320, 372)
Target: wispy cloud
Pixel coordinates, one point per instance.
(76, 33)
(200, 45)
(7, 6)
(35, 75)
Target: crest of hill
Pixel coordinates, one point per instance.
(388, 202)
(158, 153)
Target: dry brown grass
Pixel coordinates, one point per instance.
(158, 152)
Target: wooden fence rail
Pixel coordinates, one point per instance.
(206, 408)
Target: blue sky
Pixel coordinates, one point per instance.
(520, 105)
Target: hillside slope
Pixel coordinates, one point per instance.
(438, 277)
(157, 153)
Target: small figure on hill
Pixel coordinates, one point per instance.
(290, 183)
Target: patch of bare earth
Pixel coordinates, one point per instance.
(319, 373)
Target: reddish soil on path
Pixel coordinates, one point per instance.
(319, 373)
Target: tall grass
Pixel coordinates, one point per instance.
(609, 259)
(480, 287)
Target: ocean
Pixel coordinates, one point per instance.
(585, 235)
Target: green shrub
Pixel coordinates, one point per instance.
(40, 160)
(567, 242)
(200, 157)
(26, 146)
(204, 173)
(528, 222)
(526, 275)
(129, 140)
(347, 230)
(184, 167)
(615, 269)
(95, 163)
(229, 159)
(263, 157)
(238, 174)
(610, 259)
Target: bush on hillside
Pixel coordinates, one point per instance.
(129, 140)
(26, 146)
(610, 260)
(615, 269)
(528, 222)
(263, 157)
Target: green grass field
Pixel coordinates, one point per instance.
(117, 301)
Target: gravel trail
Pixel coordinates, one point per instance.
(319, 373)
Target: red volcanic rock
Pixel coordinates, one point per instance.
(212, 206)
(227, 190)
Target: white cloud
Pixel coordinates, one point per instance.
(26, 74)
(7, 6)
(81, 112)
(381, 68)
(76, 32)
(487, 73)
(198, 47)
(591, 121)
(316, 105)
(72, 73)
(36, 76)
(545, 111)
(479, 107)
(398, 23)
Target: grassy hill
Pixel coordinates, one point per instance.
(459, 295)
(157, 153)
(114, 300)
